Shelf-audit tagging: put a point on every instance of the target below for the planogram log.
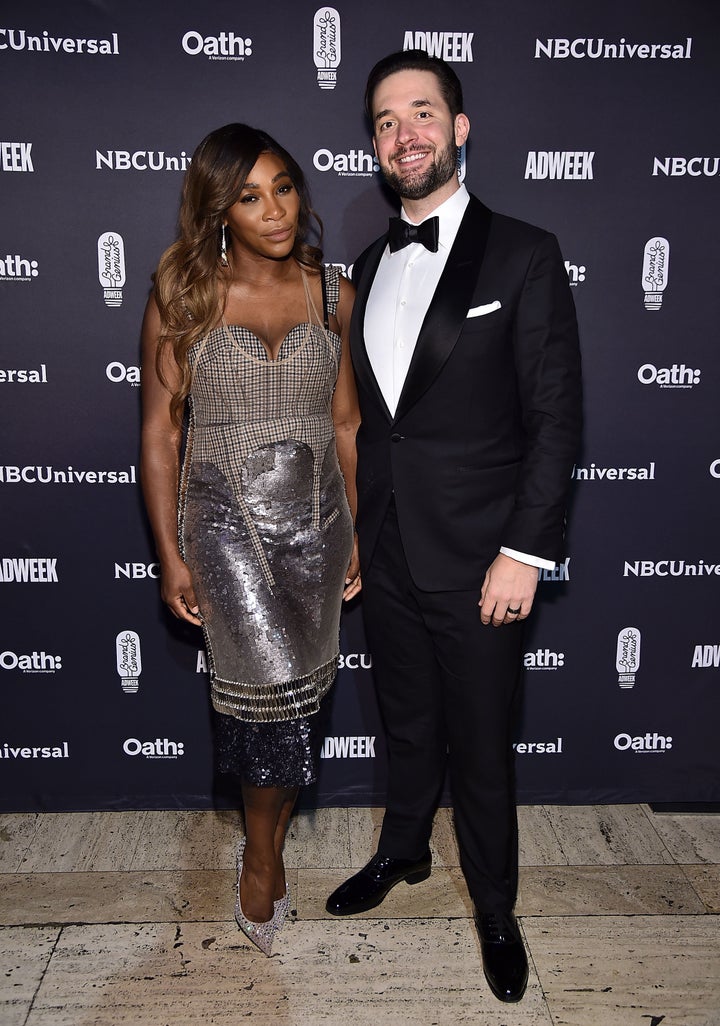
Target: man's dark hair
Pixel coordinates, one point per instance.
(416, 60)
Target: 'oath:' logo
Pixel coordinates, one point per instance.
(15, 267)
(355, 164)
(643, 742)
(224, 47)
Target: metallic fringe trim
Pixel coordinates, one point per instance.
(272, 703)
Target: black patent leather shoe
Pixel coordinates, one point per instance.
(369, 887)
(503, 954)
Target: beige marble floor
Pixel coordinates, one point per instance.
(126, 918)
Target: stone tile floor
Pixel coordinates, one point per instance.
(127, 918)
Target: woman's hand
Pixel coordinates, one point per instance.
(353, 584)
(178, 592)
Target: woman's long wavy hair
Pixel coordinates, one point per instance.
(190, 278)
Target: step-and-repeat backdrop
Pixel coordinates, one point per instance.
(595, 121)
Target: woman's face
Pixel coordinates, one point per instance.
(263, 221)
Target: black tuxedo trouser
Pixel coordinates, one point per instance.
(447, 688)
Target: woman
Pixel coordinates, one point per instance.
(246, 331)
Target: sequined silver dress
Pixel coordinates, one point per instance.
(266, 530)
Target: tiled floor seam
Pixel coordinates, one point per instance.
(180, 923)
(683, 869)
(43, 974)
(648, 813)
(137, 842)
(24, 854)
(556, 835)
(534, 968)
(349, 835)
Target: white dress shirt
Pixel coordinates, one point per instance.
(399, 298)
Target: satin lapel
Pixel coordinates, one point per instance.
(363, 279)
(449, 306)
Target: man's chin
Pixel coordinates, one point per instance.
(418, 185)
(411, 186)
(417, 190)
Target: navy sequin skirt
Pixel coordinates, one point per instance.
(276, 754)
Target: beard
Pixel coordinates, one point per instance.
(418, 185)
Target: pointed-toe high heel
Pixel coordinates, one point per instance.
(261, 934)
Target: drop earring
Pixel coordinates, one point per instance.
(223, 246)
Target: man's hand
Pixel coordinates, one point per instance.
(508, 591)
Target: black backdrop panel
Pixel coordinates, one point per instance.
(590, 121)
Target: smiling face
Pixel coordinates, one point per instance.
(416, 138)
(264, 219)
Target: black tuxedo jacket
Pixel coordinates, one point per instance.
(481, 447)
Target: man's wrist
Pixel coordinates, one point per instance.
(530, 560)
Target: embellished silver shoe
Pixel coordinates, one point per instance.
(261, 934)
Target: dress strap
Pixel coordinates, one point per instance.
(332, 286)
(323, 285)
(330, 300)
(330, 293)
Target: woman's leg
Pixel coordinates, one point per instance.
(267, 811)
(280, 833)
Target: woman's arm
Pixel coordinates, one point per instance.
(346, 418)
(160, 468)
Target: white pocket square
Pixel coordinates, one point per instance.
(480, 311)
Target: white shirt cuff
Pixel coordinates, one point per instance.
(524, 557)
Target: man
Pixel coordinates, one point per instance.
(465, 349)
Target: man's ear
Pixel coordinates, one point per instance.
(462, 129)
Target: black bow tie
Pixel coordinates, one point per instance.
(401, 234)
